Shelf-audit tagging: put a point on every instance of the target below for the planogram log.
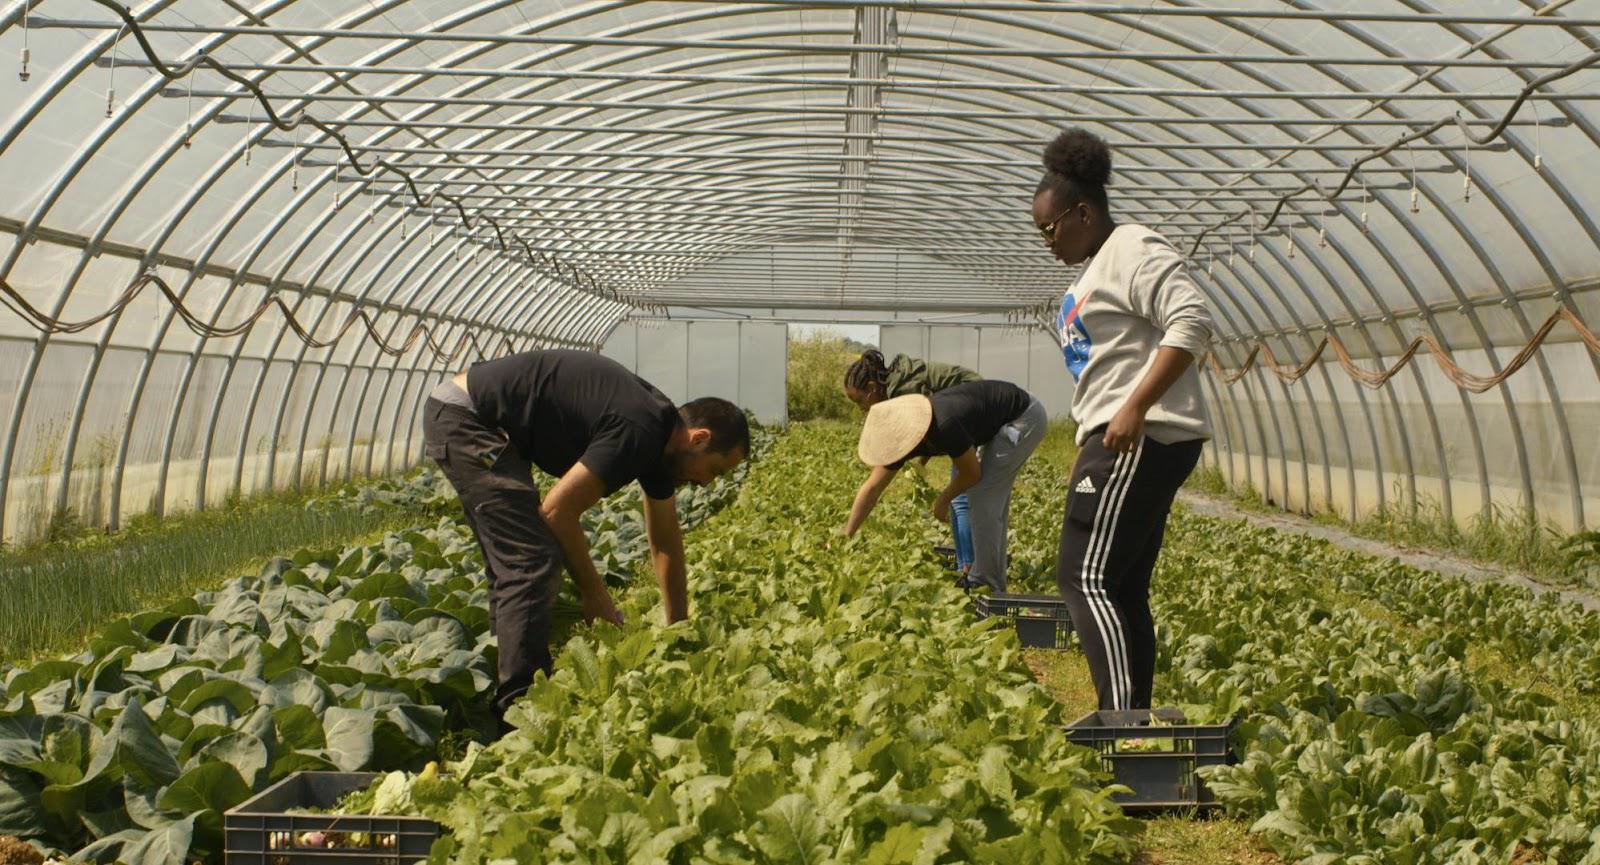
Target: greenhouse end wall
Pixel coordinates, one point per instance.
(742, 361)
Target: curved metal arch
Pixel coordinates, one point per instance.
(366, 385)
(1269, 280)
(1487, 262)
(58, 83)
(1327, 278)
(1557, 186)
(289, 212)
(156, 344)
(1378, 454)
(321, 365)
(1383, 304)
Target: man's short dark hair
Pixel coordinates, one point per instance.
(729, 429)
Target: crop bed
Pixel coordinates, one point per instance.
(1378, 727)
(829, 700)
(363, 657)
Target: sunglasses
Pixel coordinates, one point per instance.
(1048, 230)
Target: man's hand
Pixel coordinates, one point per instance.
(666, 554)
(1126, 429)
(941, 509)
(598, 606)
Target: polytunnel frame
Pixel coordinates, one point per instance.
(1410, 474)
(129, 108)
(1469, 309)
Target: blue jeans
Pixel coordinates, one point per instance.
(961, 525)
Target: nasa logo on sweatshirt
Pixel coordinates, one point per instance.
(1075, 341)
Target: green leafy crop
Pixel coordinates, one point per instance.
(828, 701)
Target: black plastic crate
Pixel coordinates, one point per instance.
(260, 831)
(947, 557)
(1042, 621)
(1164, 779)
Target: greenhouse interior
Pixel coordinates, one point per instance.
(473, 431)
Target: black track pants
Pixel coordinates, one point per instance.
(1117, 508)
(521, 555)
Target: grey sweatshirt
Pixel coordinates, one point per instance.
(1133, 297)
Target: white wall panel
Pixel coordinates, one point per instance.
(1031, 360)
(740, 361)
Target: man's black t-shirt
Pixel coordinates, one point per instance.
(969, 415)
(562, 407)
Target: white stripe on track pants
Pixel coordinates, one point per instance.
(1117, 506)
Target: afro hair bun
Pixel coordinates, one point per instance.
(1080, 156)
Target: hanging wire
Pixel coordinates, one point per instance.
(571, 276)
(1538, 148)
(1415, 208)
(45, 323)
(1406, 140)
(1365, 197)
(1262, 353)
(249, 125)
(188, 126)
(111, 76)
(27, 55)
(1466, 176)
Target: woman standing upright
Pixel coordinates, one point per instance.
(1131, 329)
(870, 381)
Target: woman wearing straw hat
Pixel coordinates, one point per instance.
(1131, 329)
(870, 381)
(987, 428)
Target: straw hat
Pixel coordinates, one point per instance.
(894, 428)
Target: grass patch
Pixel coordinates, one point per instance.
(56, 595)
(816, 378)
(1504, 536)
(1179, 839)
(1066, 676)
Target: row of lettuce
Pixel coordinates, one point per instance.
(827, 701)
(1391, 715)
(832, 701)
(363, 657)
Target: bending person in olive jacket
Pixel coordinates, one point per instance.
(870, 381)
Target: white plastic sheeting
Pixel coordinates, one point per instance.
(742, 361)
(549, 167)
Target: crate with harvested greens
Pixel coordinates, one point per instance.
(1042, 621)
(299, 821)
(1156, 754)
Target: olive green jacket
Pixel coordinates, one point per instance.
(908, 375)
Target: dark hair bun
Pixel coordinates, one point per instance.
(1080, 156)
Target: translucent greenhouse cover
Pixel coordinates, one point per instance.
(243, 238)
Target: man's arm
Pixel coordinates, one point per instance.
(867, 497)
(666, 553)
(968, 473)
(574, 493)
